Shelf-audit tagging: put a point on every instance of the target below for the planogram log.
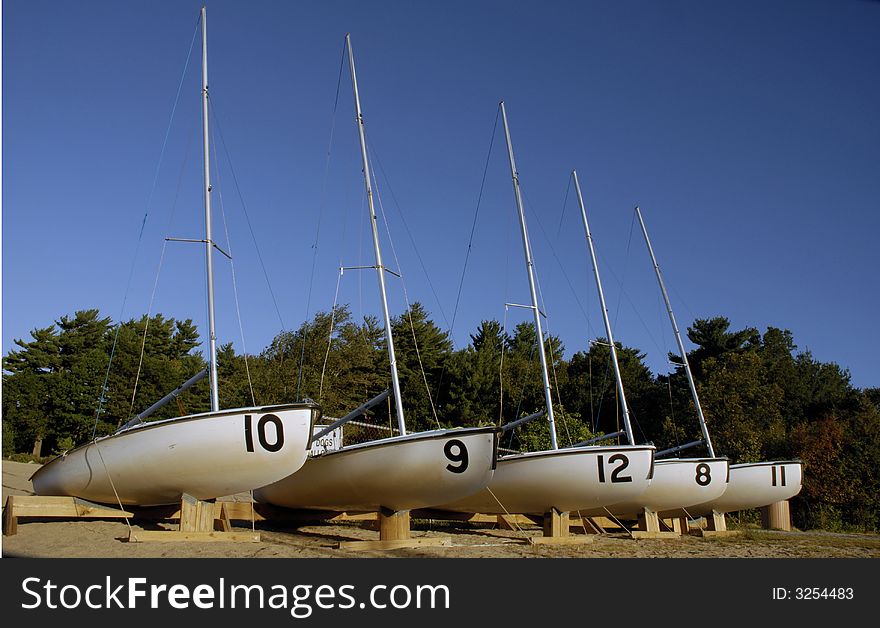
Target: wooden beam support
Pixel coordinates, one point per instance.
(394, 526)
(677, 524)
(654, 534)
(474, 517)
(590, 525)
(648, 521)
(716, 533)
(51, 507)
(556, 524)
(199, 520)
(715, 522)
(776, 516)
(243, 511)
(361, 546)
(10, 520)
(196, 515)
(580, 539)
(177, 536)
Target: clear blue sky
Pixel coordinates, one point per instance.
(748, 132)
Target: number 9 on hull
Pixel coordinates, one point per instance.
(401, 473)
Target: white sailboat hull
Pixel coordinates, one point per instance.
(754, 485)
(204, 455)
(677, 484)
(401, 473)
(568, 480)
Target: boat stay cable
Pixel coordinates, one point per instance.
(329, 337)
(99, 410)
(405, 296)
(215, 113)
(321, 208)
(375, 156)
(469, 248)
(112, 484)
(333, 310)
(154, 292)
(595, 418)
(244, 352)
(563, 415)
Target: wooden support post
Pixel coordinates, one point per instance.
(394, 533)
(648, 521)
(776, 516)
(222, 522)
(649, 527)
(715, 522)
(196, 515)
(200, 521)
(10, 521)
(394, 526)
(556, 531)
(556, 524)
(716, 526)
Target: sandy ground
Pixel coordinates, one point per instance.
(95, 538)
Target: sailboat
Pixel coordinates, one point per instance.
(678, 482)
(205, 455)
(567, 479)
(749, 485)
(399, 473)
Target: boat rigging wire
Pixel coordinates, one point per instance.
(501, 370)
(469, 246)
(467, 254)
(112, 484)
(321, 207)
(329, 337)
(590, 331)
(232, 268)
(159, 272)
(101, 398)
(247, 217)
(550, 343)
(406, 301)
(406, 229)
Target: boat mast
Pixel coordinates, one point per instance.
(209, 243)
(687, 366)
(623, 405)
(380, 269)
(530, 269)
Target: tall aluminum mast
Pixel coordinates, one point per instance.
(623, 405)
(687, 366)
(530, 269)
(380, 269)
(209, 242)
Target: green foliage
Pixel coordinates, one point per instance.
(29, 458)
(8, 439)
(591, 390)
(762, 398)
(422, 350)
(54, 392)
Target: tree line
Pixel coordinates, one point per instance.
(762, 397)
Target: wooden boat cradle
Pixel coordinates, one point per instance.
(202, 521)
